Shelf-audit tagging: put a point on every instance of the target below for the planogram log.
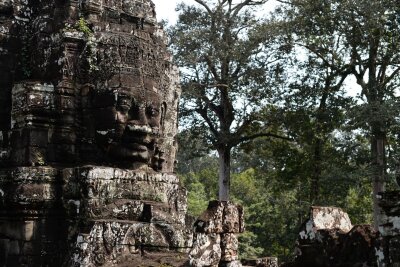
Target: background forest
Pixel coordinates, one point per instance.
(302, 107)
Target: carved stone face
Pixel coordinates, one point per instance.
(127, 124)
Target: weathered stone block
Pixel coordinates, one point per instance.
(389, 224)
(19, 230)
(32, 97)
(6, 7)
(328, 239)
(35, 192)
(34, 136)
(221, 217)
(206, 250)
(263, 262)
(107, 184)
(30, 174)
(156, 212)
(233, 218)
(111, 240)
(394, 251)
(325, 218)
(229, 247)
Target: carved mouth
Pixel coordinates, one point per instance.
(131, 152)
(140, 128)
(138, 146)
(135, 146)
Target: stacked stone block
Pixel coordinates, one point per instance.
(33, 225)
(263, 262)
(127, 214)
(215, 235)
(88, 124)
(389, 227)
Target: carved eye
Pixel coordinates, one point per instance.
(152, 111)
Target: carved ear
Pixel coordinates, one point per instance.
(86, 90)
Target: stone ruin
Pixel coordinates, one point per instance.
(88, 119)
(215, 238)
(389, 227)
(88, 124)
(328, 239)
(215, 242)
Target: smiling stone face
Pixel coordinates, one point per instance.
(127, 125)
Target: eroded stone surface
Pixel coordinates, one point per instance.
(115, 241)
(263, 262)
(229, 247)
(221, 217)
(88, 81)
(88, 120)
(215, 241)
(389, 227)
(206, 250)
(327, 238)
(325, 218)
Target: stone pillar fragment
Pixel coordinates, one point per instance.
(389, 227)
(215, 239)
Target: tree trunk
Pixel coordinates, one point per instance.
(378, 168)
(316, 172)
(224, 157)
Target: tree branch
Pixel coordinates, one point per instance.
(201, 2)
(203, 114)
(240, 6)
(254, 136)
(212, 68)
(388, 79)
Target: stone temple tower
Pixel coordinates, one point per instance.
(88, 119)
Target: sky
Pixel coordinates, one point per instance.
(165, 9)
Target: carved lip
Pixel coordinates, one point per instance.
(138, 146)
(140, 128)
(137, 139)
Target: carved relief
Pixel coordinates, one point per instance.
(88, 119)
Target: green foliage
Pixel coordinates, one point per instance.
(197, 199)
(82, 26)
(359, 204)
(359, 39)
(226, 77)
(328, 159)
(271, 181)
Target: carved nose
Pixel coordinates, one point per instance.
(137, 115)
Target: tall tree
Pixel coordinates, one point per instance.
(229, 62)
(315, 97)
(369, 33)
